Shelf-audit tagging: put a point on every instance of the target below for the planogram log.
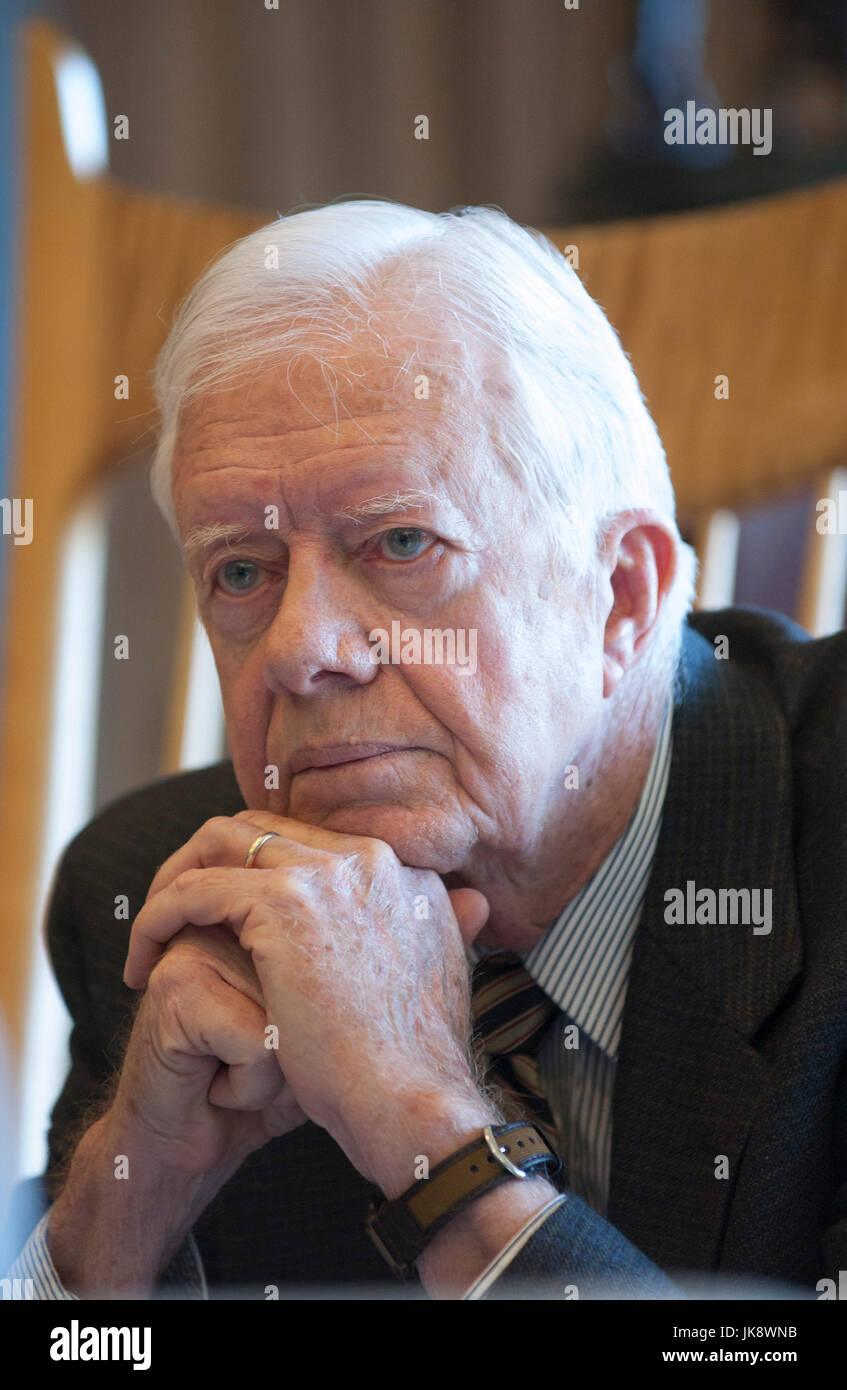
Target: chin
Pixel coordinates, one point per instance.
(422, 838)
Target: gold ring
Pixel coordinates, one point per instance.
(257, 845)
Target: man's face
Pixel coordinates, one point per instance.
(451, 764)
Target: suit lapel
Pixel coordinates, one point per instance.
(688, 1075)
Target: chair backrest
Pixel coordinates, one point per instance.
(101, 269)
(735, 320)
(754, 294)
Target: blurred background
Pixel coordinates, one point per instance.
(551, 110)
(546, 110)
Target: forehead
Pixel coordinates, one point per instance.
(295, 400)
(314, 422)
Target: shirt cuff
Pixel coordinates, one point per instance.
(501, 1262)
(33, 1275)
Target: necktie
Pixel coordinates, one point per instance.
(510, 1014)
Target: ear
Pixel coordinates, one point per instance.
(641, 559)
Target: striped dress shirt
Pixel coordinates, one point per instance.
(582, 964)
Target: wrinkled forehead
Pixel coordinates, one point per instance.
(300, 394)
(431, 388)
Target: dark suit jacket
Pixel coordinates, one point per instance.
(733, 1043)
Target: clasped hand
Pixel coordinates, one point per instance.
(359, 959)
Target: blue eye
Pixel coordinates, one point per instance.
(406, 542)
(238, 576)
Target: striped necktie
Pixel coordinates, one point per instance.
(510, 1014)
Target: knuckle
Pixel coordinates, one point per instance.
(377, 853)
(287, 885)
(189, 879)
(168, 973)
(216, 831)
(184, 980)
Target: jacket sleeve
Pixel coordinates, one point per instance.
(834, 1242)
(576, 1254)
(91, 1067)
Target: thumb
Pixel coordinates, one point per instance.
(471, 910)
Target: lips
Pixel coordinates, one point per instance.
(334, 755)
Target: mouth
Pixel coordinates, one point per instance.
(339, 755)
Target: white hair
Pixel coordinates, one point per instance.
(571, 425)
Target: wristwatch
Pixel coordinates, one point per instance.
(402, 1229)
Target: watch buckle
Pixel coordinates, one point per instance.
(502, 1158)
(402, 1271)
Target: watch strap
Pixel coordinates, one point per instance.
(401, 1229)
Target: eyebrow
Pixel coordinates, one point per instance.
(388, 502)
(212, 533)
(201, 537)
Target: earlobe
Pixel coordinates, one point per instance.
(642, 574)
(618, 652)
(612, 673)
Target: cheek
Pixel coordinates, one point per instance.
(245, 699)
(452, 699)
(491, 709)
(536, 675)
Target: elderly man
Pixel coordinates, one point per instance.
(390, 439)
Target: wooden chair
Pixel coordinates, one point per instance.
(749, 299)
(755, 293)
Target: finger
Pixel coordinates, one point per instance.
(297, 831)
(250, 1077)
(250, 1085)
(471, 909)
(203, 898)
(218, 842)
(219, 947)
(224, 842)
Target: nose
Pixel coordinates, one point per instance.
(316, 639)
